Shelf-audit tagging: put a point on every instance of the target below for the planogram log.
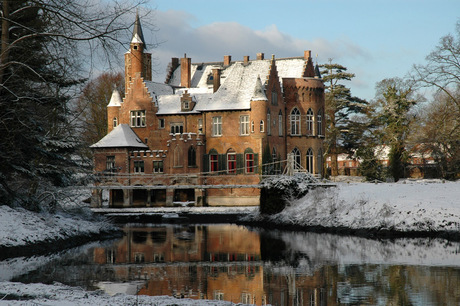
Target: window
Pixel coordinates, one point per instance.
(158, 166)
(110, 163)
(200, 126)
(295, 122)
(139, 257)
(310, 122)
(217, 126)
(177, 157)
(249, 157)
(231, 162)
(319, 122)
(161, 123)
(280, 124)
(138, 118)
(244, 125)
(213, 162)
(252, 126)
(309, 163)
(177, 128)
(191, 157)
(138, 166)
(115, 122)
(269, 130)
(274, 98)
(296, 154)
(262, 126)
(186, 105)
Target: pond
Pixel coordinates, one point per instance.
(255, 266)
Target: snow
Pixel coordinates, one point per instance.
(121, 136)
(404, 206)
(20, 227)
(61, 295)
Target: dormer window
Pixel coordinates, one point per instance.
(186, 105)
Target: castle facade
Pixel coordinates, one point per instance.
(210, 124)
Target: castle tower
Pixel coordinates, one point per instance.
(113, 111)
(137, 62)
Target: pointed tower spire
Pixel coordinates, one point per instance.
(259, 93)
(138, 36)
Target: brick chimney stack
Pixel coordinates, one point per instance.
(246, 59)
(216, 79)
(185, 71)
(260, 56)
(227, 60)
(307, 54)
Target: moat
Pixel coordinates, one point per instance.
(254, 266)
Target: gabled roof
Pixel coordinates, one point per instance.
(120, 137)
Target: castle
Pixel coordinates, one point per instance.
(210, 124)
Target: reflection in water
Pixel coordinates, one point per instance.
(233, 263)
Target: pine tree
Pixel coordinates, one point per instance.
(342, 131)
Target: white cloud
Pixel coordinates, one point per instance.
(211, 42)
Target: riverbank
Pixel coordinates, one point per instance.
(409, 208)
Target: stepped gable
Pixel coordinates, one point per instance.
(121, 136)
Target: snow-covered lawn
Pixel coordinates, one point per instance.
(426, 205)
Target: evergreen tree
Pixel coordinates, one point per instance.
(394, 120)
(343, 131)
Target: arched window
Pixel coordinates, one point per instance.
(319, 122)
(295, 122)
(310, 117)
(115, 122)
(269, 130)
(177, 157)
(192, 157)
(280, 123)
(309, 160)
(231, 161)
(296, 154)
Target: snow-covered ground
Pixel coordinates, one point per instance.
(409, 205)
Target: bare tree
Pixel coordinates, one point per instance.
(44, 45)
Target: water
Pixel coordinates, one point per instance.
(254, 266)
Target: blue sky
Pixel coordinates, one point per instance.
(374, 39)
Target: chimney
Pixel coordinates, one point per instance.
(260, 56)
(216, 79)
(227, 60)
(307, 54)
(246, 59)
(185, 71)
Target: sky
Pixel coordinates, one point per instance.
(374, 39)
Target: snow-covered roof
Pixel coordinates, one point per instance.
(121, 136)
(239, 85)
(115, 100)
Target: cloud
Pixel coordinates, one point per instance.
(211, 42)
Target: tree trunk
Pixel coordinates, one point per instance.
(4, 52)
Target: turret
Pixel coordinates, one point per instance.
(113, 111)
(137, 62)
